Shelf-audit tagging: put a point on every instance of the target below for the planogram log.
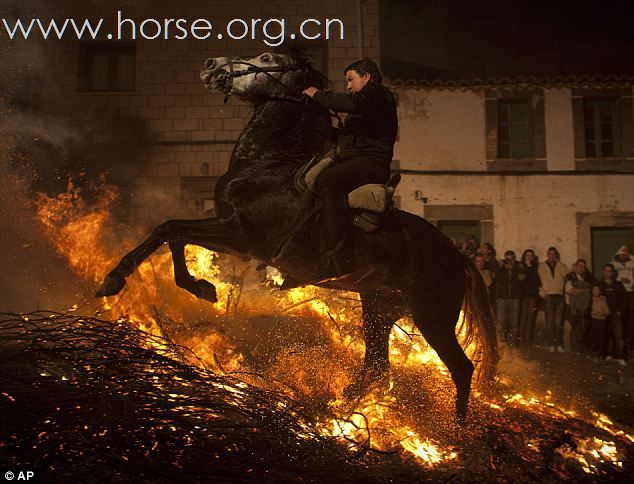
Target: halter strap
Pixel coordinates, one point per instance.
(253, 69)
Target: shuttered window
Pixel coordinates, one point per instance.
(600, 129)
(107, 66)
(515, 138)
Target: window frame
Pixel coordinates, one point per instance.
(113, 51)
(598, 139)
(508, 105)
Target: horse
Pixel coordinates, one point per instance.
(406, 267)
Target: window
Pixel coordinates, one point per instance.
(197, 195)
(461, 222)
(515, 138)
(106, 66)
(600, 129)
(460, 231)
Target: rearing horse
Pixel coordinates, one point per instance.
(408, 265)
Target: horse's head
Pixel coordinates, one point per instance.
(265, 76)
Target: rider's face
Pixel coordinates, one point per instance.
(355, 81)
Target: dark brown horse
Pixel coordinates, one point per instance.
(407, 266)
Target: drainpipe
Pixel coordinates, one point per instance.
(360, 26)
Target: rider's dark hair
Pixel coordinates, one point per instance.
(366, 66)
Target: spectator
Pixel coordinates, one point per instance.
(624, 265)
(485, 273)
(578, 285)
(470, 246)
(530, 296)
(508, 291)
(490, 261)
(597, 329)
(552, 275)
(616, 296)
(488, 277)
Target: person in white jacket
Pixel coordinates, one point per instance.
(624, 265)
(552, 277)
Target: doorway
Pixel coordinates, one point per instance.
(606, 242)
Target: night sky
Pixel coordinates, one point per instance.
(468, 39)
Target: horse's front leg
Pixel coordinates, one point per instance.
(211, 233)
(200, 288)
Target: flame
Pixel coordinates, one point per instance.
(85, 235)
(589, 452)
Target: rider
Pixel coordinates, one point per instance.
(365, 147)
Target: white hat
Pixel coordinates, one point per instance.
(623, 251)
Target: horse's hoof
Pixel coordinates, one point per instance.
(111, 285)
(206, 290)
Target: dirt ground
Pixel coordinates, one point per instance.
(608, 386)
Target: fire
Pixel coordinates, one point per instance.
(425, 450)
(367, 421)
(85, 235)
(590, 452)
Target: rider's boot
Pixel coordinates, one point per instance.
(334, 259)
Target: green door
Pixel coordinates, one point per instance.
(606, 242)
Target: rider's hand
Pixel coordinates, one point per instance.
(310, 91)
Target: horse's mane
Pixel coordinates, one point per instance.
(303, 58)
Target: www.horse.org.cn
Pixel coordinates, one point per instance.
(272, 31)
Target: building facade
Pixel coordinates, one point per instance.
(522, 165)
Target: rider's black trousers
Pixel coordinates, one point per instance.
(333, 186)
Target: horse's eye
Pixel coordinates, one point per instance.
(266, 58)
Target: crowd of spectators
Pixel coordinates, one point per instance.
(600, 311)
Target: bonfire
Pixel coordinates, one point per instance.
(157, 385)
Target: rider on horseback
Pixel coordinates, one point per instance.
(365, 149)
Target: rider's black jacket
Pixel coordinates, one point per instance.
(371, 125)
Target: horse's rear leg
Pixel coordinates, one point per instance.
(379, 315)
(436, 320)
(214, 233)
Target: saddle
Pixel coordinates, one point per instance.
(369, 202)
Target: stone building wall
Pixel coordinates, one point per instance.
(193, 132)
(442, 153)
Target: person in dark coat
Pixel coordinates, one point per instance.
(578, 293)
(616, 295)
(529, 302)
(365, 146)
(508, 291)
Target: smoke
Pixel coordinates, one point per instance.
(41, 149)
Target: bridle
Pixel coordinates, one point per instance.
(230, 75)
(253, 69)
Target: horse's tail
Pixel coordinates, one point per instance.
(480, 325)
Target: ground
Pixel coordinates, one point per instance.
(607, 385)
(99, 401)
